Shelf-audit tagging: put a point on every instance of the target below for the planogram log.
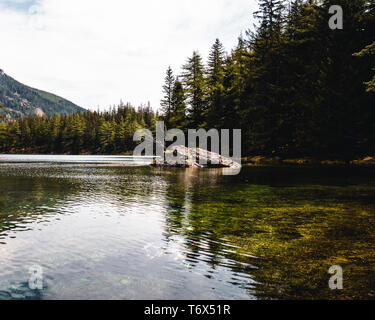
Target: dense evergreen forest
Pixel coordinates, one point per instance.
(295, 87)
(109, 132)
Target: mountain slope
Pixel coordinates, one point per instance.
(20, 100)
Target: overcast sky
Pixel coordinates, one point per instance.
(95, 53)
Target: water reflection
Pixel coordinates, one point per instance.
(143, 233)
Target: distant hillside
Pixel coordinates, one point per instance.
(20, 100)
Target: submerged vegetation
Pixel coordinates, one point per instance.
(268, 233)
(285, 226)
(299, 91)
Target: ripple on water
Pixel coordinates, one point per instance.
(139, 233)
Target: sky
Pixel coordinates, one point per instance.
(96, 53)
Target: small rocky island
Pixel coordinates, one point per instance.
(196, 158)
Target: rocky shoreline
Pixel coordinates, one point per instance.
(185, 157)
(270, 161)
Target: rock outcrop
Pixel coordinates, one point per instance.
(196, 158)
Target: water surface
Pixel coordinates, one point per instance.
(106, 231)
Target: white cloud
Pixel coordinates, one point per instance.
(98, 52)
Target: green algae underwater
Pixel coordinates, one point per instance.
(142, 233)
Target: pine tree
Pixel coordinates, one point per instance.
(15, 136)
(345, 103)
(4, 136)
(264, 75)
(271, 16)
(215, 85)
(236, 88)
(178, 119)
(166, 102)
(294, 18)
(368, 51)
(195, 84)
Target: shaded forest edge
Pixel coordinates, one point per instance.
(297, 89)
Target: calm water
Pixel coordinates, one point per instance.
(105, 231)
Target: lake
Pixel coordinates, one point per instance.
(107, 228)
